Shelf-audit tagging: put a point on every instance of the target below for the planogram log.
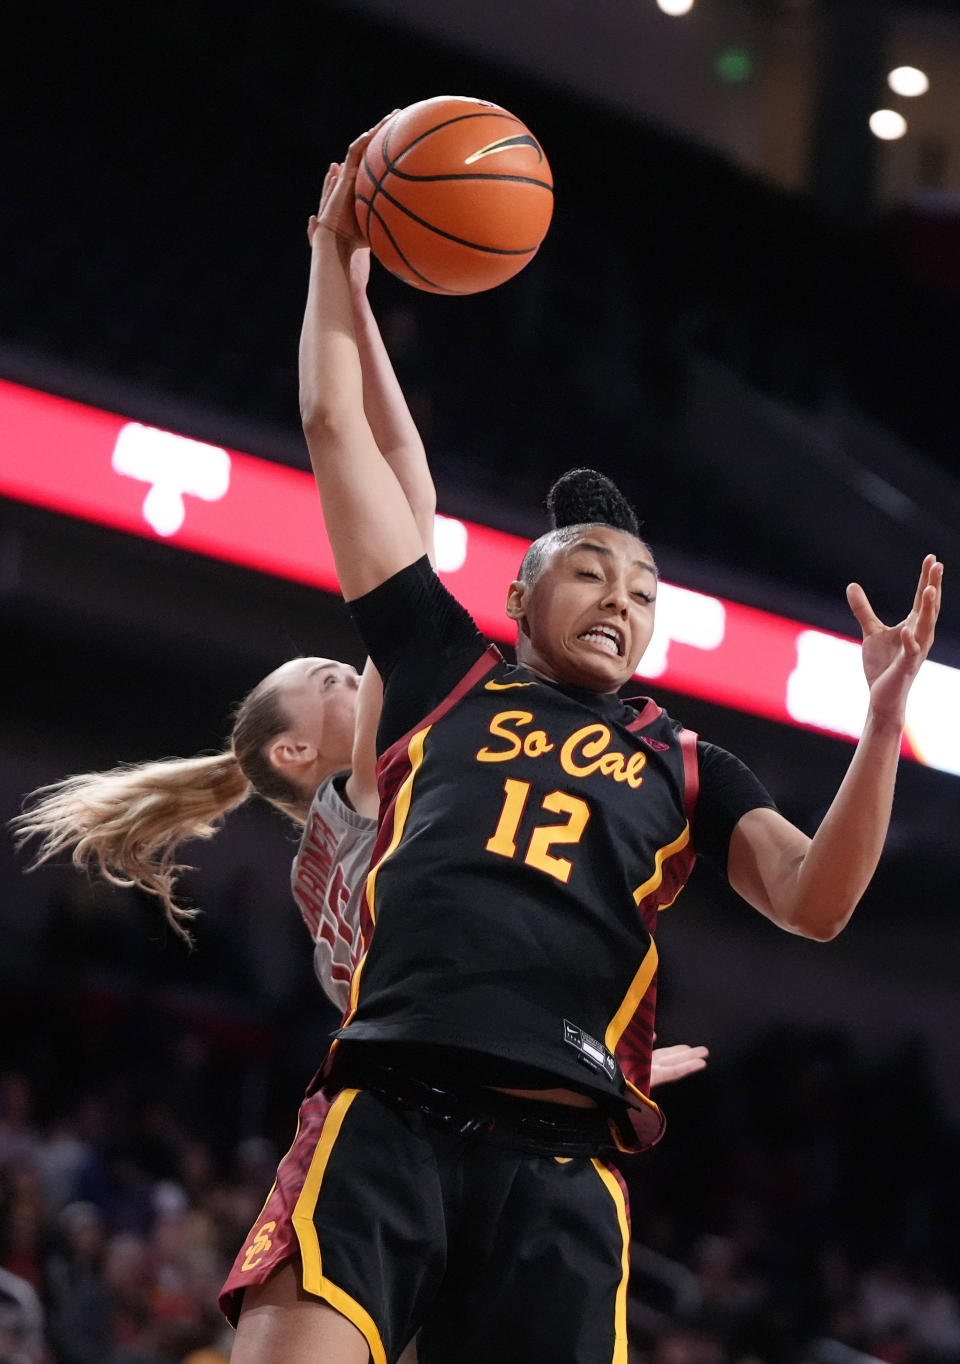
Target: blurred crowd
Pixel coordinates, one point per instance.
(801, 1210)
(117, 1229)
(802, 1207)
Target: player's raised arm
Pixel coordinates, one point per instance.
(387, 413)
(812, 886)
(398, 441)
(371, 527)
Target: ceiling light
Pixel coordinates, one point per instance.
(675, 6)
(909, 81)
(887, 124)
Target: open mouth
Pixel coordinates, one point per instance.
(606, 638)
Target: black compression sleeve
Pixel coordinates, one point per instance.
(422, 642)
(728, 789)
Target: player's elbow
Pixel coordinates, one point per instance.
(824, 932)
(820, 922)
(328, 431)
(317, 417)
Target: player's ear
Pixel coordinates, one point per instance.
(288, 754)
(517, 605)
(516, 594)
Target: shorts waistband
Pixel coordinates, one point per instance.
(541, 1128)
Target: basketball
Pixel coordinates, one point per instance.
(454, 195)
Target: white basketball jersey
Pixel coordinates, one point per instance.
(328, 877)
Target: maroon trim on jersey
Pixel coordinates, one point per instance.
(676, 873)
(392, 764)
(634, 1049)
(649, 712)
(691, 771)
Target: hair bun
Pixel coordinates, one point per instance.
(585, 497)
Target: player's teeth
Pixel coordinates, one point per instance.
(602, 638)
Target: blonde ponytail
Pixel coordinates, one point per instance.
(126, 824)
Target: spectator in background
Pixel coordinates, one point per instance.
(24, 1221)
(80, 1317)
(21, 1322)
(18, 1137)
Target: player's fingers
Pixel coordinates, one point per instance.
(329, 180)
(681, 1068)
(359, 145)
(681, 1051)
(936, 582)
(386, 119)
(676, 1062)
(933, 570)
(860, 606)
(927, 616)
(925, 571)
(909, 640)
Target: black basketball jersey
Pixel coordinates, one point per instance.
(528, 842)
(530, 835)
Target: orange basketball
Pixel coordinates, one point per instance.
(454, 195)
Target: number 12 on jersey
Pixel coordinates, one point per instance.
(544, 836)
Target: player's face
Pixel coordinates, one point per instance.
(588, 616)
(320, 697)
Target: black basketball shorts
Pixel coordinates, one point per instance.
(490, 1253)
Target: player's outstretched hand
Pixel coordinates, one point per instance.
(673, 1063)
(892, 654)
(336, 210)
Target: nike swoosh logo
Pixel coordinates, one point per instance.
(506, 686)
(503, 143)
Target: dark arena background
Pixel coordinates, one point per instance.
(747, 311)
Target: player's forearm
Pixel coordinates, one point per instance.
(390, 420)
(361, 787)
(843, 854)
(331, 382)
(371, 530)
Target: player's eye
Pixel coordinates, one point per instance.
(588, 573)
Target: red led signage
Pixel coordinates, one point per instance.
(91, 464)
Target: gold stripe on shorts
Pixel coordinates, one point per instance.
(313, 1277)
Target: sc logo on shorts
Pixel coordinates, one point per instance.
(259, 1246)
